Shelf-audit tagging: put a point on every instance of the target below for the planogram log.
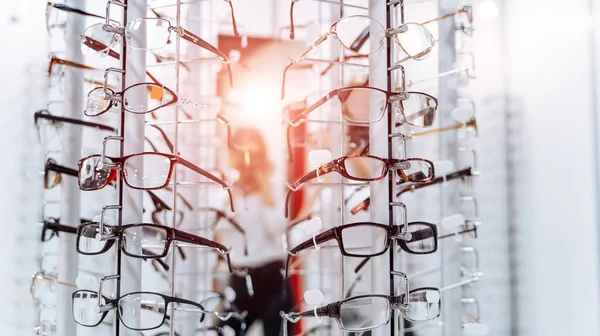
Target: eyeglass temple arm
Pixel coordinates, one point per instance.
(40, 114)
(437, 180)
(55, 60)
(437, 130)
(210, 176)
(158, 203)
(74, 10)
(300, 58)
(296, 185)
(197, 40)
(60, 227)
(165, 138)
(191, 303)
(447, 15)
(318, 239)
(314, 106)
(361, 39)
(234, 23)
(99, 46)
(61, 169)
(292, 30)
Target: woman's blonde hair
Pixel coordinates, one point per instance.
(251, 158)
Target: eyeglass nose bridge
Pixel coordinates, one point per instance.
(104, 308)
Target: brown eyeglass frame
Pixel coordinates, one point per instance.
(339, 167)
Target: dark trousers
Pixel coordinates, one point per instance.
(269, 298)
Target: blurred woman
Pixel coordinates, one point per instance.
(261, 293)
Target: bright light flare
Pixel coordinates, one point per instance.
(261, 102)
(488, 9)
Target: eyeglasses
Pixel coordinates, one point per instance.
(415, 238)
(460, 174)
(146, 241)
(136, 33)
(415, 40)
(41, 282)
(56, 15)
(367, 312)
(51, 227)
(417, 108)
(100, 100)
(162, 214)
(47, 124)
(95, 173)
(146, 310)
(471, 123)
(367, 168)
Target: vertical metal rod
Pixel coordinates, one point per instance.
(70, 194)
(379, 145)
(175, 175)
(133, 131)
(450, 272)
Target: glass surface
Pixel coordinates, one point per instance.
(88, 243)
(42, 287)
(147, 171)
(95, 32)
(85, 305)
(364, 240)
(147, 34)
(96, 103)
(419, 109)
(357, 103)
(425, 245)
(91, 176)
(142, 311)
(145, 241)
(415, 40)
(424, 304)
(364, 168)
(350, 28)
(417, 170)
(145, 98)
(364, 313)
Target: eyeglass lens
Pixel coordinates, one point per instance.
(85, 305)
(364, 240)
(424, 304)
(350, 28)
(364, 313)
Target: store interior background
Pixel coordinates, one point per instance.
(538, 105)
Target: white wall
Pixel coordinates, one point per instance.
(552, 155)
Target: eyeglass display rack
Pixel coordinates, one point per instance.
(384, 208)
(449, 198)
(127, 204)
